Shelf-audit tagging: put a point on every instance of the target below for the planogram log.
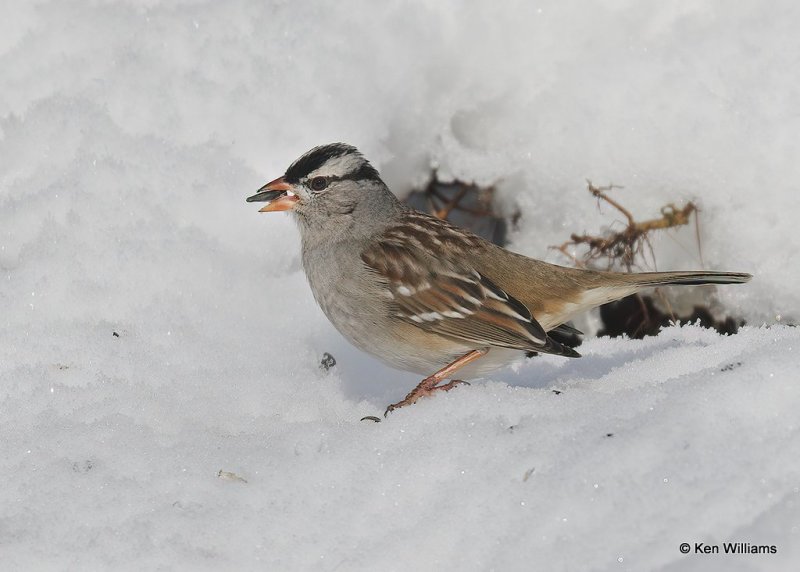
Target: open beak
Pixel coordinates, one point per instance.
(277, 194)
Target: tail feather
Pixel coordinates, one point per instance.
(611, 286)
(566, 330)
(555, 348)
(695, 277)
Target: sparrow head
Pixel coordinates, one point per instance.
(328, 180)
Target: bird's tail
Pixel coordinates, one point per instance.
(603, 287)
(696, 277)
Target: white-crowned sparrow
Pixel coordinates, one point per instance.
(423, 295)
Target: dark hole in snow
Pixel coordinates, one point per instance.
(638, 316)
(464, 204)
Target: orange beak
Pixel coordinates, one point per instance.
(277, 194)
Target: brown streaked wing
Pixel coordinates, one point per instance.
(421, 261)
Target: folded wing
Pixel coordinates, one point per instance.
(430, 286)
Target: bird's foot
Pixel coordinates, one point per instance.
(423, 390)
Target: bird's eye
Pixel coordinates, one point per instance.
(319, 183)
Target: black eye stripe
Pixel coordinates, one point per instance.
(364, 173)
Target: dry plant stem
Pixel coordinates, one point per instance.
(600, 193)
(667, 305)
(625, 245)
(444, 212)
(563, 250)
(643, 306)
(441, 206)
(697, 237)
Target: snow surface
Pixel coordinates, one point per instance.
(130, 134)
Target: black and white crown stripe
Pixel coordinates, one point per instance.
(335, 161)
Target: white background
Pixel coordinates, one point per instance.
(130, 134)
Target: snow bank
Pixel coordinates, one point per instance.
(130, 133)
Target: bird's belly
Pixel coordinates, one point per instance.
(409, 348)
(426, 361)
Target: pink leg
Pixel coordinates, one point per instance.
(430, 384)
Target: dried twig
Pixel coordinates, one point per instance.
(626, 245)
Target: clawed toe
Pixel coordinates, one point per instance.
(422, 391)
(451, 385)
(399, 404)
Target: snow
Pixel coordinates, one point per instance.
(130, 134)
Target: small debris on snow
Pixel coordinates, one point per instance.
(228, 476)
(328, 361)
(83, 467)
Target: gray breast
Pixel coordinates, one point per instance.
(349, 293)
